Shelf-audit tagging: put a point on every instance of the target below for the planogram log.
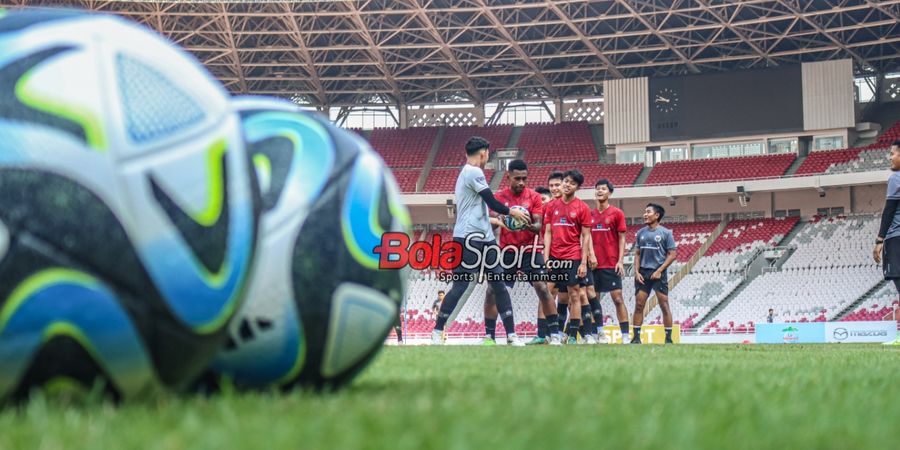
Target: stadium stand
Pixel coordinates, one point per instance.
(406, 179)
(451, 152)
(823, 161)
(444, 180)
(862, 159)
(407, 148)
(720, 169)
(618, 174)
(877, 307)
(566, 142)
(720, 271)
(830, 268)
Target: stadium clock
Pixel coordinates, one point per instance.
(666, 100)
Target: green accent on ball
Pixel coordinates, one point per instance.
(68, 329)
(208, 217)
(215, 185)
(37, 282)
(291, 375)
(93, 128)
(263, 165)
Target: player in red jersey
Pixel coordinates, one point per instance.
(567, 225)
(607, 258)
(530, 260)
(554, 183)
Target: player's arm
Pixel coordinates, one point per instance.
(670, 258)
(592, 255)
(536, 222)
(637, 261)
(620, 264)
(672, 250)
(498, 207)
(548, 235)
(586, 250)
(887, 217)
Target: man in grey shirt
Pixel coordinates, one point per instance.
(655, 252)
(473, 198)
(887, 243)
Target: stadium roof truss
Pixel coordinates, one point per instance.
(409, 52)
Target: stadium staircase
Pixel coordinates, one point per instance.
(642, 177)
(514, 137)
(754, 269)
(716, 309)
(597, 137)
(794, 166)
(689, 265)
(862, 299)
(423, 177)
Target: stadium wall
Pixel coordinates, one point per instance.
(855, 192)
(627, 117)
(828, 95)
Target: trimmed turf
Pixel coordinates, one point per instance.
(598, 397)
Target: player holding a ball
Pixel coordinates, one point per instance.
(520, 239)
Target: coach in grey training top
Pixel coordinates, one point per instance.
(471, 210)
(473, 198)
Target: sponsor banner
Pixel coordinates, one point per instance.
(790, 333)
(650, 334)
(860, 332)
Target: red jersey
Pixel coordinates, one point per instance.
(566, 221)
(530, 200)
(608, 226)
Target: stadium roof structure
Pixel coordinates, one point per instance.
(477, 51)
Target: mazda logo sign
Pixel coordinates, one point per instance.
(840, 334)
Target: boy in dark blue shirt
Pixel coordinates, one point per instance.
(654, 253)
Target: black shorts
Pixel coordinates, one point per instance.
(607, 280)
(891, 258)
(531, 271)
(470, 257)
(661, 286)
(563, 277)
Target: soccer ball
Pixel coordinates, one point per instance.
(318, 307)
(512, 223)
(127, 208)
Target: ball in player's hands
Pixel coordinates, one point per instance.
(514, 224)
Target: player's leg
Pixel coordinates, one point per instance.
(641, 293)
(459, 291)
(541, 326)
(490, 317)
(505, 310)
(562, 309)
(574, 312)
(587, 325)
(621, 312)
(545, 303)
(596, 312)
(663, 301)
(661, 288)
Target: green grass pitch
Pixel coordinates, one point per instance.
(598, 397)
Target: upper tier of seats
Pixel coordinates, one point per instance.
(821, 161)
(720, 169)
(444, 180)
(888, 136)
(407, 148)
(553, 143)
(617, 174)
(406, 179)
(452, 152)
